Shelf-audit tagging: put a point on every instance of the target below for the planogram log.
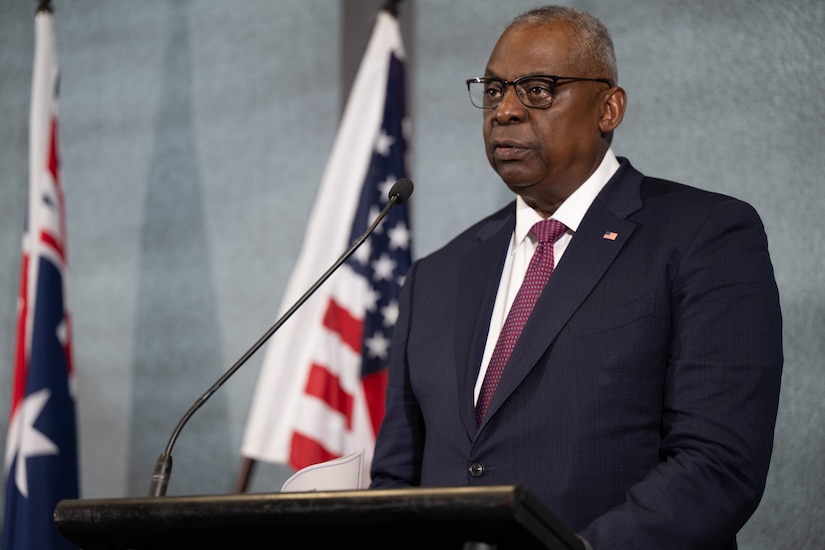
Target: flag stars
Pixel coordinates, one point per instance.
(383, 268)
(374, 212)
(63, 332)
(383, 143)
(377, 346)
(385, 186)
(362, 253)
(399, 236)
(371, 299)
(390, 313)
(32, 441)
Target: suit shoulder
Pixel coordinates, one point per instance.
(650, 188)
(486, 228)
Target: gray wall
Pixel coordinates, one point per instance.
(194, 136)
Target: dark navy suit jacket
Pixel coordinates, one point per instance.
(639, 404)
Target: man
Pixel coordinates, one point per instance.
(640, 399)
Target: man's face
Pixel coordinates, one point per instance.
(544, 154)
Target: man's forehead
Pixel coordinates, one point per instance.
(511, 59)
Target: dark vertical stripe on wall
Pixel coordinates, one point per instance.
(358, 17)
(176, 297)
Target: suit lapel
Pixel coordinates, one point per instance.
(480, 273)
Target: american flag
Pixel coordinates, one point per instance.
(320, 394)
(41, 451)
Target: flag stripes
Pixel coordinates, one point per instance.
(339, 320)
(326, 387)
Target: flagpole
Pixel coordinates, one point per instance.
(244, 475)
(391, 6)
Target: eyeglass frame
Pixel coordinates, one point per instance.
(514, 83)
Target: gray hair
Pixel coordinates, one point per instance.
(593, 46)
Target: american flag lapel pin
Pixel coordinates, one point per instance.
(610, 235)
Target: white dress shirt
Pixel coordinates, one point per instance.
(522, 246)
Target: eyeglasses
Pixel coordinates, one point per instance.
(536, 92)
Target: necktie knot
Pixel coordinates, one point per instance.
(548, 231)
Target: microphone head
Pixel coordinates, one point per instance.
(401, 190)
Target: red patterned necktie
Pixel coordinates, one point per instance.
(538, 272)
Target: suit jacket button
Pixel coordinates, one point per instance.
(476, 469)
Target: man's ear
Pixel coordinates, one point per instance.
(614, 101)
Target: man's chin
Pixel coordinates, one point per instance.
(517, 185)
(516, 175)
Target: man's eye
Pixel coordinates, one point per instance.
(493, 91)
(537, 89)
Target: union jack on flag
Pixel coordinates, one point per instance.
(320, 393)
(41, 449)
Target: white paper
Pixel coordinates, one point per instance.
(339, 474)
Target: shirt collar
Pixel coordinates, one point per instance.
(571, 211)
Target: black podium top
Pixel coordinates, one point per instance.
(503, 517)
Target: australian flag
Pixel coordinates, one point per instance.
(41, 466)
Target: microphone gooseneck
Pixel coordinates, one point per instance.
(399, 193)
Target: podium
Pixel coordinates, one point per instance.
(497, 517)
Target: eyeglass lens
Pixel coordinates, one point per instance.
(532, 92)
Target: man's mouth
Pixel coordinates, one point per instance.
(509, 151)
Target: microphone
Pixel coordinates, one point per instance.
(399, 193)
(401, 190)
